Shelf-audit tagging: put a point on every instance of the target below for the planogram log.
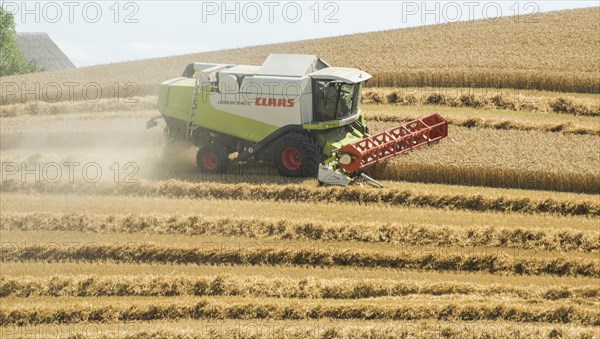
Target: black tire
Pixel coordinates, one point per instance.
(296, 155)
(212, 158)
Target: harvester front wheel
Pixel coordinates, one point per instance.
(212, 158)
(296, 155)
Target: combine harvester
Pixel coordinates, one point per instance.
(294, 110)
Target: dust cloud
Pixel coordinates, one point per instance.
(92, 149)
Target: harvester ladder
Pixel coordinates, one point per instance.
(192, 114)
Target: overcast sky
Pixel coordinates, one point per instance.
(99, 32)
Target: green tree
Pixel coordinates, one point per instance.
(11, 60)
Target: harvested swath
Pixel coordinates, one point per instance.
(367, 330)
(294, 310)
(292, 192)
(502, 177)
(488, 98)
(567, 128)
(318, 328)
(408, 234)
(260, 286)
(330, 257)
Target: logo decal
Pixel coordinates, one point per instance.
(274, 102)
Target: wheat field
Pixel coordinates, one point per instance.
(447, 55)
(491, 233)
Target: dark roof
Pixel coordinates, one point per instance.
(39, 47)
